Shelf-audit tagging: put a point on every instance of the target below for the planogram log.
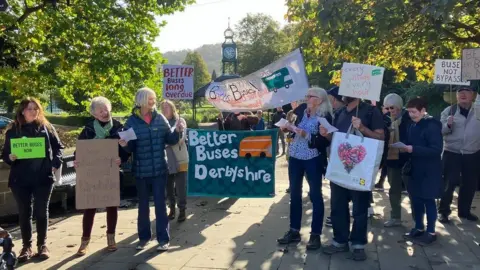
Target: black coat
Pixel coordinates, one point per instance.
(427, 142)
(37, 171)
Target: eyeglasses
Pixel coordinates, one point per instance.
(310, 96)
(390, 108)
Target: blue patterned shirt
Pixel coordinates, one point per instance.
(299, 147)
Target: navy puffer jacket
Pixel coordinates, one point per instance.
(148, 150)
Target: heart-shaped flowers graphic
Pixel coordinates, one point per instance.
(351, 156)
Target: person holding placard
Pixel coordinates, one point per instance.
(461, 136)
(102, 127)
(177, 160)
(307, 153)
(149, 164)
(34, 152)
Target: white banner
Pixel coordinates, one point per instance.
(361, 81)
(448, 71)
(275, 85)
(471, 64)
(177, 82)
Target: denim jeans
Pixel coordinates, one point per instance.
(41, 198)
(313, 170)
(422, 206)
(341, 216)
(143, 224)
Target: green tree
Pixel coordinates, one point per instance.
(261, 42)
(396, 34)
(200, 70)
(80, 49)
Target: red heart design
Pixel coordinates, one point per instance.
(351, 155)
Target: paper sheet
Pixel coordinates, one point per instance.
(324, 123)
(127, 135)
(398, 145)
(283, 123)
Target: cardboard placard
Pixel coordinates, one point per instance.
(28, 148)
(361, 81)
(178, 82)
(471, 64)
(98, 177)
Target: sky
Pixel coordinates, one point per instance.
(205, 21)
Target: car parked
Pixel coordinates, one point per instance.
(4, 121)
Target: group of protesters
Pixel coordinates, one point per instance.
(157, 142)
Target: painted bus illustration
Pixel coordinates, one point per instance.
(256, 146)
(278, 79)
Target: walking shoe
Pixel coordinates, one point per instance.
(332, 249)
(171, 214)
(469, 216)
(425, 239)
(111, 244)
(82, 250)
(288, 190)
(358, 254)
(442, 218)
(25, 254)
(314, 242)
(414, 233)
(163, 246)
(182, 216)
(392, 223)
(328, 222)
(379, 186)
(141, 245)
(43, 252)
(289, 237)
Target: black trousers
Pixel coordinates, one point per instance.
(41, 198)
(460, 170)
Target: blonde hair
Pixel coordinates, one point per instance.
(141, 98)
(325, 107)
(172, 107)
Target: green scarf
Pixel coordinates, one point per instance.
(102, 132)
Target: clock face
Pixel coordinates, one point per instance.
(229, 53)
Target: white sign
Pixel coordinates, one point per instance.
(361, 81)
(177, 82)
(471, 64)
(448, 72)
(275, 85)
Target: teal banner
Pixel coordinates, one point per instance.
(236, 164)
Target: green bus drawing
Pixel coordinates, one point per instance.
(278, 79)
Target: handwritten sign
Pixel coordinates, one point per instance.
(27, 148)
(361, 81)
(177, 82)
(98, 178)
(448, 72)
(237, 164)
(471, 64)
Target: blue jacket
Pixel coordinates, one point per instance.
(148, 150)
(426, 138)
(260, 125)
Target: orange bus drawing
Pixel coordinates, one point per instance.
(256, 146)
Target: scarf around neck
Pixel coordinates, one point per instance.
(102, 132)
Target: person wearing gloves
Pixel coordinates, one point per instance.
(307, 152)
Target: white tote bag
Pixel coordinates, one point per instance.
(354, 160)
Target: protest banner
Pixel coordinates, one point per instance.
(471, 64)
(98, 177)
(275, 85)
(448, 71)
(177, 82)
(361, 81)
(237, 164)
(27, 148)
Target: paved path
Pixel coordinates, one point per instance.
(241, 234)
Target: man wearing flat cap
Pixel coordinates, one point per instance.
(461, 135)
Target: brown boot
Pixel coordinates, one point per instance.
(82, 250)
(25, 254)
(171, 214)
(111, 245)
(43, 252)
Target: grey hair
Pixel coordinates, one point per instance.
(141, 98)
(325, 107)
(96, 101)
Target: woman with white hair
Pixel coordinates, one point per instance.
(149, 164)
(102, 127)
(307, 154)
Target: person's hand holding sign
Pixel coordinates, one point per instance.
(357, 123)
(450, 121)
(122, 143)
(12, 157)
(180, 126)
(323, 131)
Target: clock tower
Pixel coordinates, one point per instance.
(229, 51)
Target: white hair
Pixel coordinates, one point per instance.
(325, 107)
(141, 98)
(96, 101)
